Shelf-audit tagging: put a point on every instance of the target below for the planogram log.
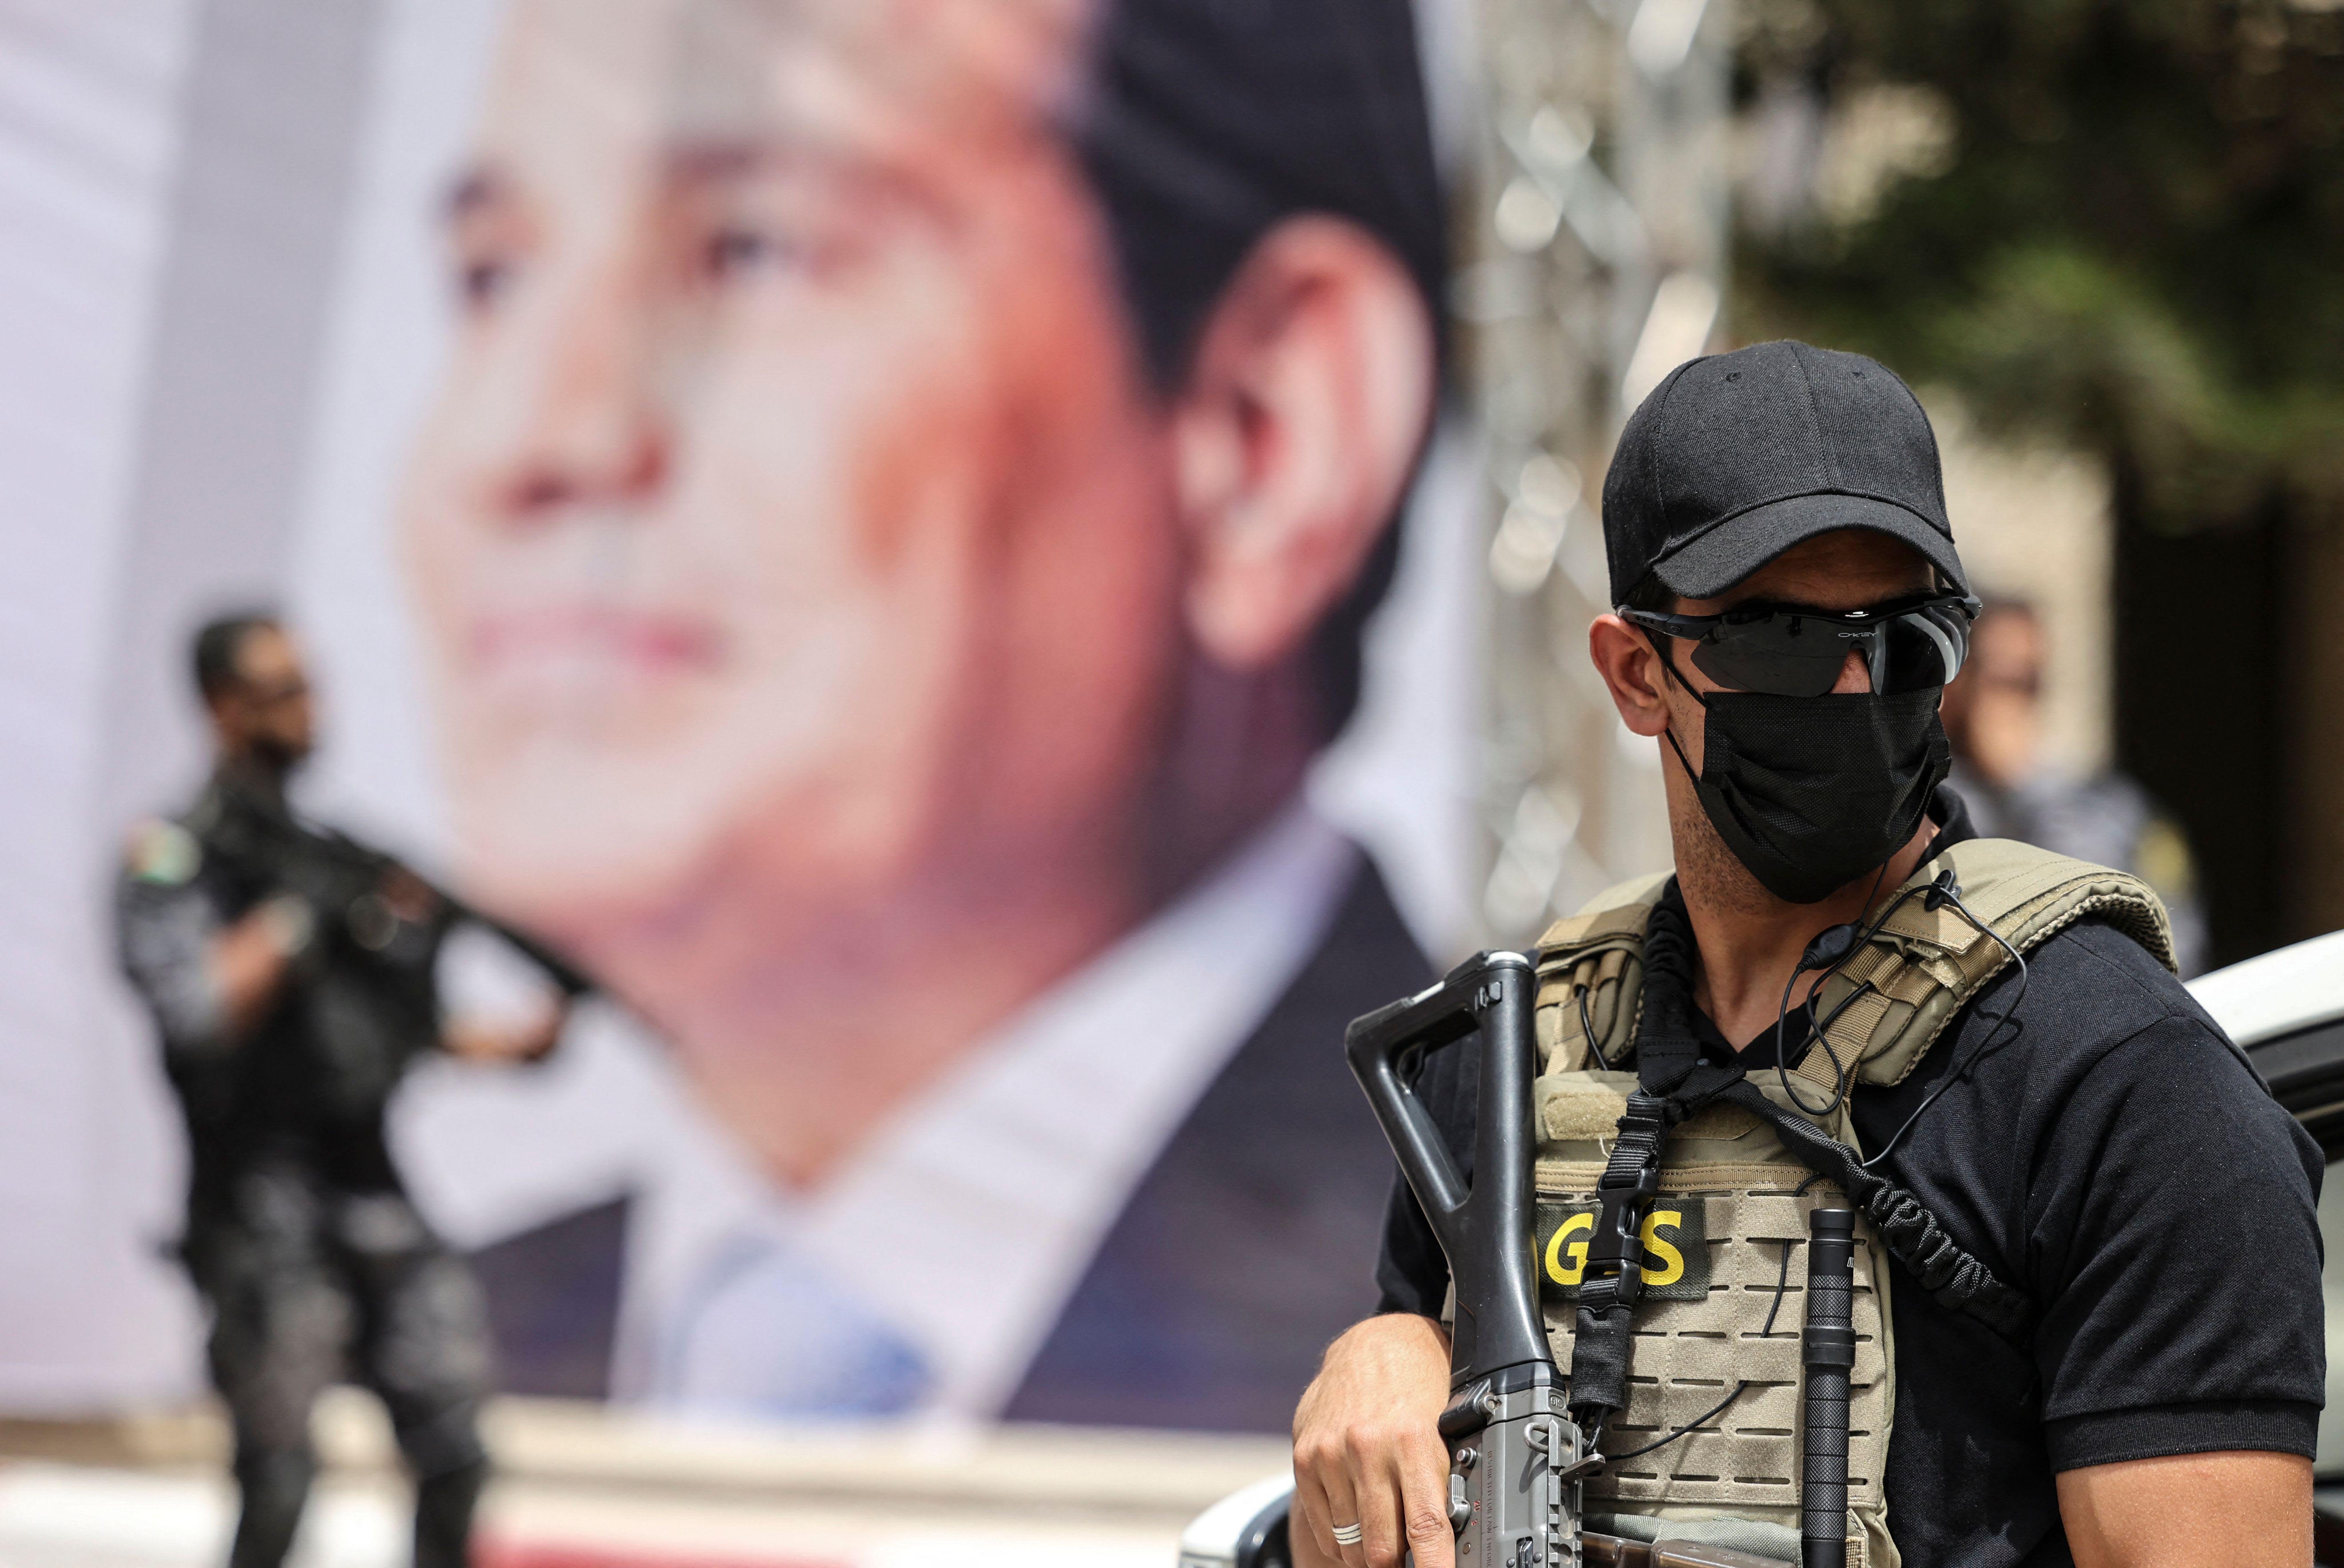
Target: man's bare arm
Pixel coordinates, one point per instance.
(1368, 1449)
(532, 1041)
(2232, 1510)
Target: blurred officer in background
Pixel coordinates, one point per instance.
(290, 971)
(1994, 715)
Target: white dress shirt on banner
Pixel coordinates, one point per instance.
(927, 1273)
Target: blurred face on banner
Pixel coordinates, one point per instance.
(810, 564)
(795, 498)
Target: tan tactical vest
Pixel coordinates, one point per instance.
(1730, 1208)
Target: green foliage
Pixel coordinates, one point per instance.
(2134, 241)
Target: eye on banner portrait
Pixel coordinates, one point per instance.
(873, 526)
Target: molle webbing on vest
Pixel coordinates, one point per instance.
(1670, 1066)
(1668, 1158)
(1692, 1347)
(1914, 975)
(1909, 1231)
(1602, 953)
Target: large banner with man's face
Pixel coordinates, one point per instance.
(908, 540)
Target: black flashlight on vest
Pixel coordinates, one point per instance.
(1828, 1350)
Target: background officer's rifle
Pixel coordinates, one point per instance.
(368, 982)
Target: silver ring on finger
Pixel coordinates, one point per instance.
(1347, 1534)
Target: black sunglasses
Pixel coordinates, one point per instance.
(1792, 651)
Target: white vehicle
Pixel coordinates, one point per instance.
(2284, 1009)
(2287, 1009)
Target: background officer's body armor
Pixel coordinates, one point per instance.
(1727, 1235)
(309, 1085)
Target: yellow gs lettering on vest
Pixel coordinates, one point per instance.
(1566, 1258)
(1676, 1250)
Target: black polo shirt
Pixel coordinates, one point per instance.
(2117, 1160)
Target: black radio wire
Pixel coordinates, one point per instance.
(1587, 1028)
(1817, 1031)
(1977, 1052)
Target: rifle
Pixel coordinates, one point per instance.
(368, 984)
(1514, 1453)
(1516, 1457)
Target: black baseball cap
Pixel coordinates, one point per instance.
(1737, 457)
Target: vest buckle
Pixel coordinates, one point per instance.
(1615, 1250)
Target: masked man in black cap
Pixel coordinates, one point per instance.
(2088, 1296)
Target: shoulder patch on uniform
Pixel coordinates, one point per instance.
(163, 853)
(2162, 859)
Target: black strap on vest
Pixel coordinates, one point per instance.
(1673, 1082)
(1611, 1278)
(1909, 1231)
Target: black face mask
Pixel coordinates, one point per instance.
(1810, 793)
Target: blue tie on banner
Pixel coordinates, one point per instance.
(765, 1331)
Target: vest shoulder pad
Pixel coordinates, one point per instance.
(1590, 974)
(1614, 912)
(1891, 1000)
(2027, 894)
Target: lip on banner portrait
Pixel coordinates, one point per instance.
(874, 527)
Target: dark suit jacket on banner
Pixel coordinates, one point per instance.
(1249, 1244)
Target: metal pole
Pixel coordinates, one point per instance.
(1593, 249)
